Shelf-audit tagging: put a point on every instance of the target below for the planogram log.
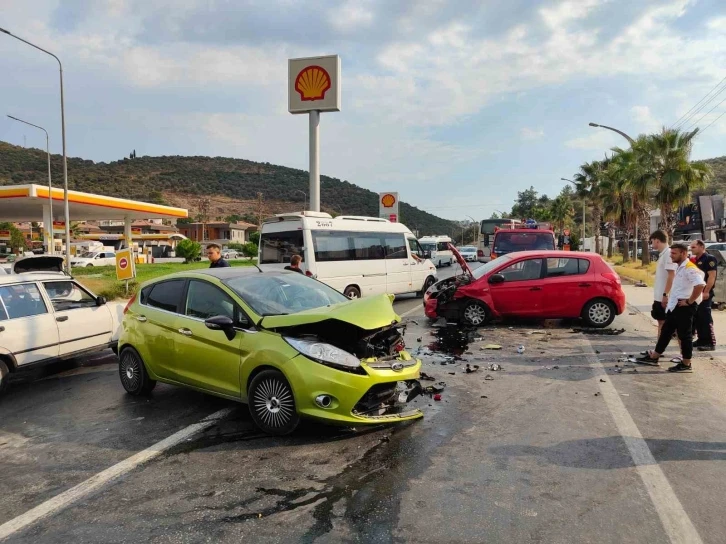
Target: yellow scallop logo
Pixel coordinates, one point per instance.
(312, 83)
(388, 200)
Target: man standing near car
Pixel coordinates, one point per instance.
(704, 320)
(688, 285)
(665, 271)
(214, 254)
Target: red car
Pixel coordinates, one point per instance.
(533, 284)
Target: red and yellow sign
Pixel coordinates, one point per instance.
(388, 200)
(312, 83)
(125, 269)
(135, 231)
(4, 235)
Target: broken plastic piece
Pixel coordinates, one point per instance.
(602, 381)
(471, 368)
(425, 377)
(488, 378)
(494, 367)
(520, 350)
(437, 396)
(492, 346)
(556, 367)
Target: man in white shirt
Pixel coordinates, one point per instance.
(688, 285)
(665, 271)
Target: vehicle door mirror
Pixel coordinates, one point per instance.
(496, 278)
(100, 301)
(222, 323)
(427, 254)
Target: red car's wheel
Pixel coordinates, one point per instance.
(598, 313)
(474, 313)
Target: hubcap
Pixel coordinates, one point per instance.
(352, 294)
(131, 372)
(475, 314)
(599, 313)
(273, 403)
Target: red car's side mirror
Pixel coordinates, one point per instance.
(496, 278)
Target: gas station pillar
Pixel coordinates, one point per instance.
(48, 231)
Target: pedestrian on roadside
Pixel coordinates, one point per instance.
(688, 285)
(294, 265)
(214, 254)
(708, 264)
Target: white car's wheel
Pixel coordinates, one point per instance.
(4, 375)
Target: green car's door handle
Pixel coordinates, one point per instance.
(141, 318)
(185, 332)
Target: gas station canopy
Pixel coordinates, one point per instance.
(30, 202)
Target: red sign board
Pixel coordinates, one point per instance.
(123, 263)
(393, 218)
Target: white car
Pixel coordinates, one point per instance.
(94, 258)
(230, 254)
(468, 252)
(47, 317)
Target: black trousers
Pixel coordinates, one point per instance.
(679, 320)
(704, 324)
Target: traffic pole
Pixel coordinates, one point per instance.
(315, 161)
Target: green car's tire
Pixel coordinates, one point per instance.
(272, 403)
(132, 371)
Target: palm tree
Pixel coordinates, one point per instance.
(561, 212)
(675, 176)
(588, 187)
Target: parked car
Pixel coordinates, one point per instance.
(46, 317)
(34, 263)
(468, 252)
(230, 254)
(531, 284)
(94, 258)
(287, 345)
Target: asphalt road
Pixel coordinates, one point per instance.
(557, 447)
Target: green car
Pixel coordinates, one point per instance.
(285, 344)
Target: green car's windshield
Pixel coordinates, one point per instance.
(283, 293)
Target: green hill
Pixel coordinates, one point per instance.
(153, 179)
(718, 184)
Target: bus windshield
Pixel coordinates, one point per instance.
(489, 226)
(508, 242)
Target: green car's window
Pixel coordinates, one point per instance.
(284, 293)
(204, 300)
(165, 295)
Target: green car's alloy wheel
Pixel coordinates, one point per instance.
(272, 403)
(132, 372)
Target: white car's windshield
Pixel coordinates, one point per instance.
(88, 255)
(284, 293)
(428, 246)
(467, 249)
(491, 265)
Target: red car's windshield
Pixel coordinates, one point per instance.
(508, 242)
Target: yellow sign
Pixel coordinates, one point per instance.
(125, 268)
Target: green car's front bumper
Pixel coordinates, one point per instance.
(375, 395)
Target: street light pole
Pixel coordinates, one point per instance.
(63, 137)
(584, 205)
(50, 185)
(305, 196)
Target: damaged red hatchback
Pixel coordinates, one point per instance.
(530, 284)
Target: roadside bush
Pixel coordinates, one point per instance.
(250, 250)
(118, 290)
(189, 250)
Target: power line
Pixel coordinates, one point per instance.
(705, 114)
(682, 117)
(711, 123)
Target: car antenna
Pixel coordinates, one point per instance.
(258, 268)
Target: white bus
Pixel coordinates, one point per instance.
(441, 255)
(358, 256)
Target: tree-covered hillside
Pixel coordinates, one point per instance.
(149, 178)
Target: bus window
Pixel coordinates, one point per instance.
(395, 246)
(332, 246)
(367, 246)
(278, 247)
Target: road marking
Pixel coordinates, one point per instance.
(96, 482)
(676, 523)
(412, 310)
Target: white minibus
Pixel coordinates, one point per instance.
(438, 246)
(358, 256)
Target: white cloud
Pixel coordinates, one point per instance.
(352, 14)
(598, 140)
(644, 119)
(560, 14)
(531, 134)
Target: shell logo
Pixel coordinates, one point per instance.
(388, 200)
(312, 83)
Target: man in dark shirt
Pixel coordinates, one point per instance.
(703, 323)
(214, 254)
(294, 265)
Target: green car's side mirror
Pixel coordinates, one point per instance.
(222, 323)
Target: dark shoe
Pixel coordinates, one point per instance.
(706, 348)
(647, 360)
(680, 367)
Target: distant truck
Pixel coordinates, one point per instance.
(530, 236)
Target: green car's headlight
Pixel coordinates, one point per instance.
(324, 353)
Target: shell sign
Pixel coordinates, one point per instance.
(388, 200)
(314, 84)
(388, 206)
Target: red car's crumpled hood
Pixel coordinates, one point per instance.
(462, 262)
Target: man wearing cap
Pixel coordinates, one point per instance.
(688, 285)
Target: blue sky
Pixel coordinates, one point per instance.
(457, 105)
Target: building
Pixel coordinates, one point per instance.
(218, 232)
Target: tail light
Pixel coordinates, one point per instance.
(400, 347)
(612, 276)
(130, 302)
(494, 255)
(308, 274)
(479, 253)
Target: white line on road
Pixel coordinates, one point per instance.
(94, 483)
(677, 524)
(412, 310)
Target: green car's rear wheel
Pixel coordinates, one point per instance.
(272, 403)
(132, 371)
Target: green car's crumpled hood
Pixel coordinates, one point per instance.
(367, 313)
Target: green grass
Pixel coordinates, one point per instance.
(633, 270)
(102, 279)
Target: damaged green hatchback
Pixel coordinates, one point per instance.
(285, 344)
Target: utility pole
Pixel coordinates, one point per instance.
(259, 211)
